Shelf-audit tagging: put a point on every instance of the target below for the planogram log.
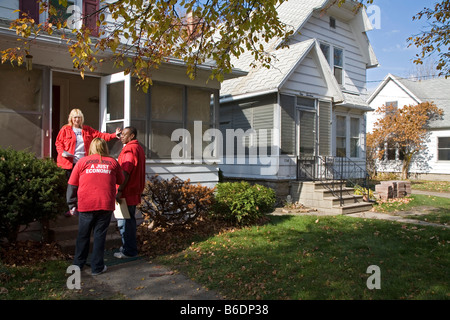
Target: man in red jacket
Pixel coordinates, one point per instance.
(132, 161)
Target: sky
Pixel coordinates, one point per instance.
(393, 24)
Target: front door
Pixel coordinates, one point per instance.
(114, 106)
(307, 133)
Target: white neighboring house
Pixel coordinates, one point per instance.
(434, 162)
(311, 100)
(34, 104)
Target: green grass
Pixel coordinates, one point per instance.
(435, 186)
(43, 281)
(308, 257)
(437, 208)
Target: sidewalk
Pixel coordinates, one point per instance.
(139, 279)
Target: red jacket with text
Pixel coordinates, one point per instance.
(67, 141)
(92, 184)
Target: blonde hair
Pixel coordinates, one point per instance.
(75, 113)
(99, 146)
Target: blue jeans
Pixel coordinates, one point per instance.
(127, 229)
(98, 222)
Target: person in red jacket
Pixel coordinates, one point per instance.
(73, 142)
(92, 189)
(132, 161)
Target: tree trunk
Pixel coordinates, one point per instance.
(405, 166)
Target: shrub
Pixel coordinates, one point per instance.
(31, 189)
(174, 202)
(242, 203)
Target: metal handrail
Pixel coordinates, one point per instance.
(329, 170)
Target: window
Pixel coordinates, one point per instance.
(354, 137)
(337, 63)
(76, 9)
(341, 136)
(444, 148)
(21, 114)
(391, 151)
(165, 108)
(393, 105)
(326, 51)
(62, 13)
(332, 23)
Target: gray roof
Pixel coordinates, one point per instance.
(294, 13)
(435, 90)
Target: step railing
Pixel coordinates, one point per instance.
(333, 173)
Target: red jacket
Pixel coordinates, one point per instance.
(67, 141)
(132, 160)
(95, 179)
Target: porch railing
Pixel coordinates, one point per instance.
(333, 173)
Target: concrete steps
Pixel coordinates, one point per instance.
(317, 195)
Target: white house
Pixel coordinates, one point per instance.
(434, 162)
(35, 104)
(311, 100)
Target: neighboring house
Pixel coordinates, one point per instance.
(434, 162)
(35, 104)
(310, 102)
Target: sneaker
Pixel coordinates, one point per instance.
(97, 273)
(121, 255)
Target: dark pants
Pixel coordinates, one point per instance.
(127, 229)
(98, 222)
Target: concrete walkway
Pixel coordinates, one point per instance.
(140, 279)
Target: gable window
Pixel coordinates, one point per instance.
(336, 62)
(332, 23)
(326, 51)
(444, 148)
(76, 9)
(61, 13)
(393, 105)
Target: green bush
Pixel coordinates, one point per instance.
(31, 189)
(242, 203)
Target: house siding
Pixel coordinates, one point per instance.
(342, 37)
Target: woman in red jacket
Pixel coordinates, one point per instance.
(92, 189)
(73, 142)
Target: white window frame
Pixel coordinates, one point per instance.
(330, 59)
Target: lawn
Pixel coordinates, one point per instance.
(41, 281)
(421, 207)
(435, 186)
(310, 257)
